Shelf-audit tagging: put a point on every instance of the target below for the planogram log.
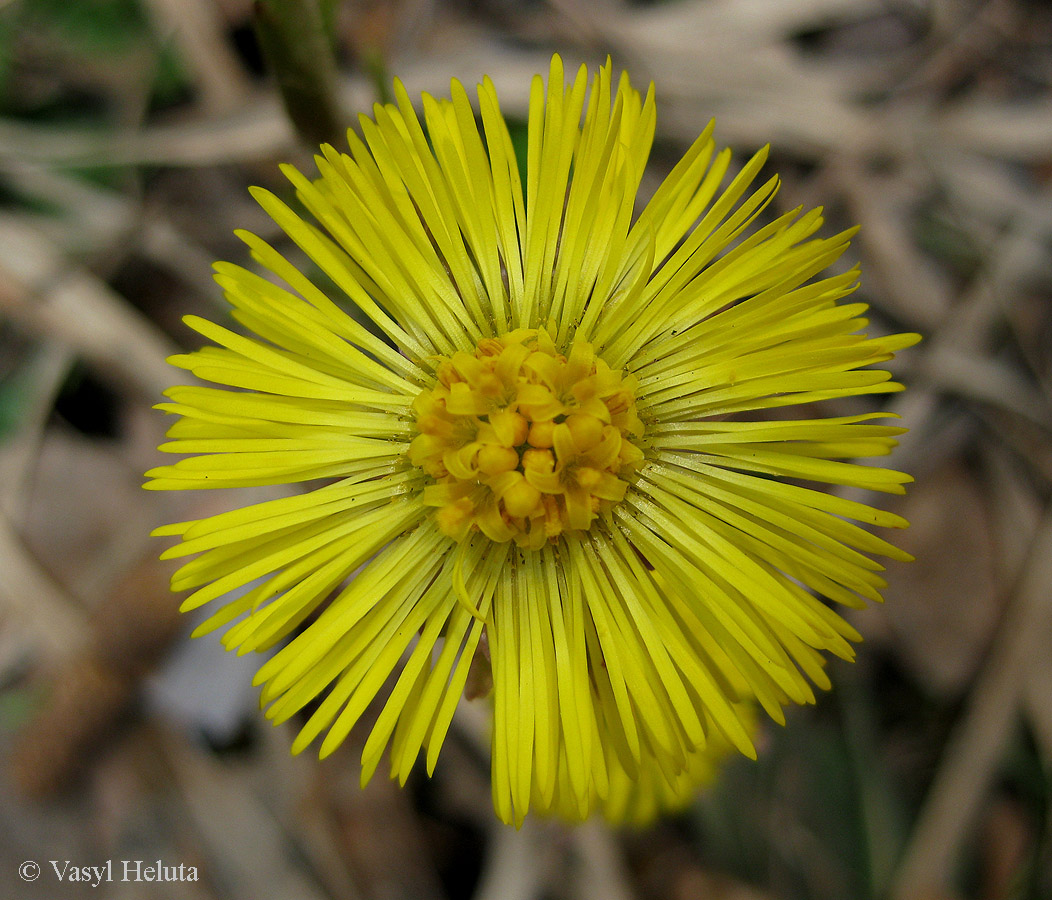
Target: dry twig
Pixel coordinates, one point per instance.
(973, 752)
(50, 296)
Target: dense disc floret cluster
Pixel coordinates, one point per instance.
(524, 442)
(561, 446)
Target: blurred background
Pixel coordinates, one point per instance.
(129, 132)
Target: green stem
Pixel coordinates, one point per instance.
(296, 41)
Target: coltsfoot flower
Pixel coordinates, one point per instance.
(551, 449)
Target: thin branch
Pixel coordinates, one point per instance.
(974, 750)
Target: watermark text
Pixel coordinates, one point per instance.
(140, 870)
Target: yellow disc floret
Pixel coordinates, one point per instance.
(525, 442)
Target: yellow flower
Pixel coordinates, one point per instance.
(550, 435)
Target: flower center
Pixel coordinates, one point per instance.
(523, 442)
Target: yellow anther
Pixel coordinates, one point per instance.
(539, 460)
(540, 434)
(493, 459)
(619, 402)
(455, 518)
(490, 386)
(588, 477)
(432, 424)
(490, 347)
(522, 499)
(446, 373)
(587, 431)
(553, 522)
(511, 427)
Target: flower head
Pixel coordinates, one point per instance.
(551, 434)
